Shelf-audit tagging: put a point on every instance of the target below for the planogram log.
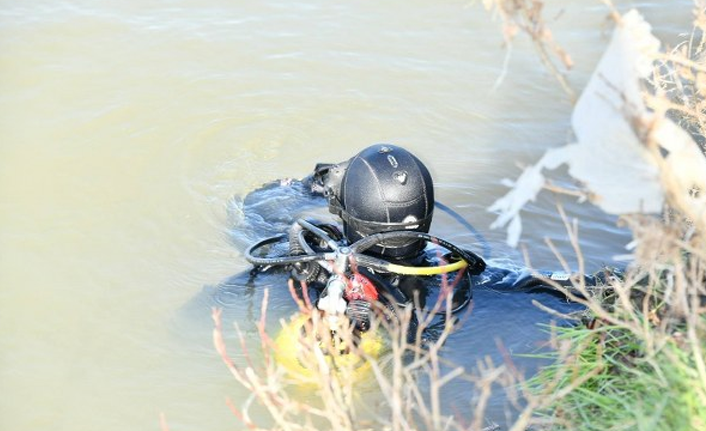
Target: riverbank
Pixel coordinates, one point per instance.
(636, 360)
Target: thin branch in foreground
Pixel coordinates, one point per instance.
(526, 16)
(163, 422)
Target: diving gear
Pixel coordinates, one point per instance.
(300, 339)
(383, 188)
(474, 263)
(480, 239)
(299, 239)
(347, 265)
(360, 312)
(333, 303)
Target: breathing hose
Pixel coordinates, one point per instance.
(475, 264)
(463, 222)
(466, 259)
(385, 266)
(278, 260)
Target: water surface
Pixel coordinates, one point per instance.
(128, 127)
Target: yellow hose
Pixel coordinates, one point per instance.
(427, 270)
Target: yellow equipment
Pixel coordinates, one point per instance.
(308, 349)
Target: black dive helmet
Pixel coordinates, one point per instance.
(383, 188)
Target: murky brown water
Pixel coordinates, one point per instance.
(127, 127)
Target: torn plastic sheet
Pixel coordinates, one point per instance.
(609, 157)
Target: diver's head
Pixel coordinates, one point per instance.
(386, 188)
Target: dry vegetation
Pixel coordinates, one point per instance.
(636, 359)
(638, 363)
(407, 377)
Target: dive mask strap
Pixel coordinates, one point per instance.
(328, 178)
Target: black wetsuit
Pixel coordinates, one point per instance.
(272, 210)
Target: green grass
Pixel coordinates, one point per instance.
(629, 388)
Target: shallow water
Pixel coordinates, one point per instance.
(128, 127)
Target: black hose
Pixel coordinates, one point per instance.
(476, 265)
(371, 262)
(456, 216)
(322, 234)
(301, 239)
(465, 303)
(277, 260)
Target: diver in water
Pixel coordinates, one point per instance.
(381, 253)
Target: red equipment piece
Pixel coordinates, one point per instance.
(360, 287)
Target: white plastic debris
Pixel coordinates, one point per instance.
(612, 126)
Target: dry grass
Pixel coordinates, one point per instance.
(526, 16)
(637, 363)
(397, 377)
